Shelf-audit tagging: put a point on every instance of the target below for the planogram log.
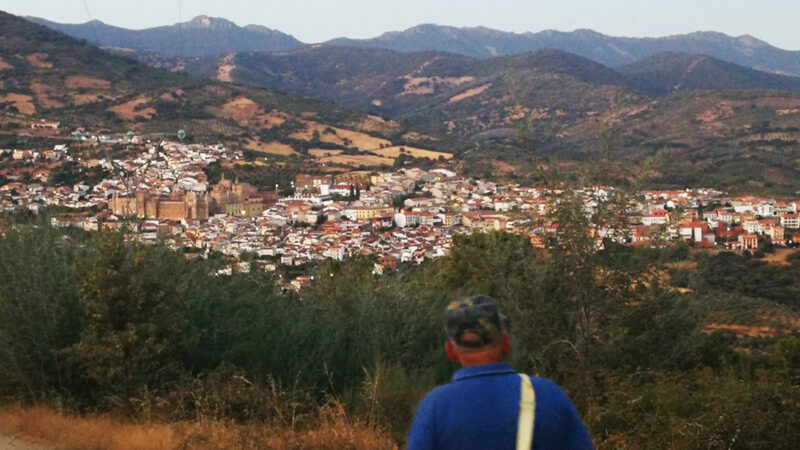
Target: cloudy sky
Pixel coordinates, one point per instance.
(774, 21)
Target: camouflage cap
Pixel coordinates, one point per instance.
(478, 315)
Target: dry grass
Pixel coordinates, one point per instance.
(23, 103)
(359, 160)
(470, 93)
(743, 330)
(427, 85)
(394, 152)
(779, 256)
(240, 108)
(39, 60)
(355, 139)
(249, 113)
(50, 428)
(80, 81)
(43, 93)
(274, 147)
(375, 124)
(84, 99)
(130, 110)
(320, 152)
(4, 65)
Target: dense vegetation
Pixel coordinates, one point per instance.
(94, 323)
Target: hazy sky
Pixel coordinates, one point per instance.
(774, 21)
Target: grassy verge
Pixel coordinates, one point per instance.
(51, 428)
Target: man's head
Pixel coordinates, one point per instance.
(475, 330)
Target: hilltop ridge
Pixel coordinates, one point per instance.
(207, 36)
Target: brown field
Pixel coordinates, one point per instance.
(274, 147)
(42, 92)
(55, 430)
(394, 152)
(240, 108)
(4, 65)
(129, 111)
(271, 120)
(247, 112)
(84, 99)
(23, 103)
(470, 93)
(359, 160)
(39, 60)
(361, 141)
(320, 152)
(80, 81)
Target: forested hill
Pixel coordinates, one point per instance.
(672, 72)
(46, 74)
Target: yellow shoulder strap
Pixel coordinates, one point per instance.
(527, 411)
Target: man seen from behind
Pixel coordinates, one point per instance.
(487, 405)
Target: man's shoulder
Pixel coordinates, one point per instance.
(545, 386)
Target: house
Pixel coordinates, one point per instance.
(694, 230)
(790, 221)
(312, 183)
(748, 241)
(44, 124)
(417, 202)
(407, 219)
(776, 233)
(485, 220)
(656, 217)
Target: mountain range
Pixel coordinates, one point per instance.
(201, 36)
(205, 36)
(419, 84)
(674, 120)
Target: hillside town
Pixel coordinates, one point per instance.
(406, 216)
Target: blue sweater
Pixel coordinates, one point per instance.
(479, 409)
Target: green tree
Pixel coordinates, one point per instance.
(131, 296)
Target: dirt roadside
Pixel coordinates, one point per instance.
(13, 443)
